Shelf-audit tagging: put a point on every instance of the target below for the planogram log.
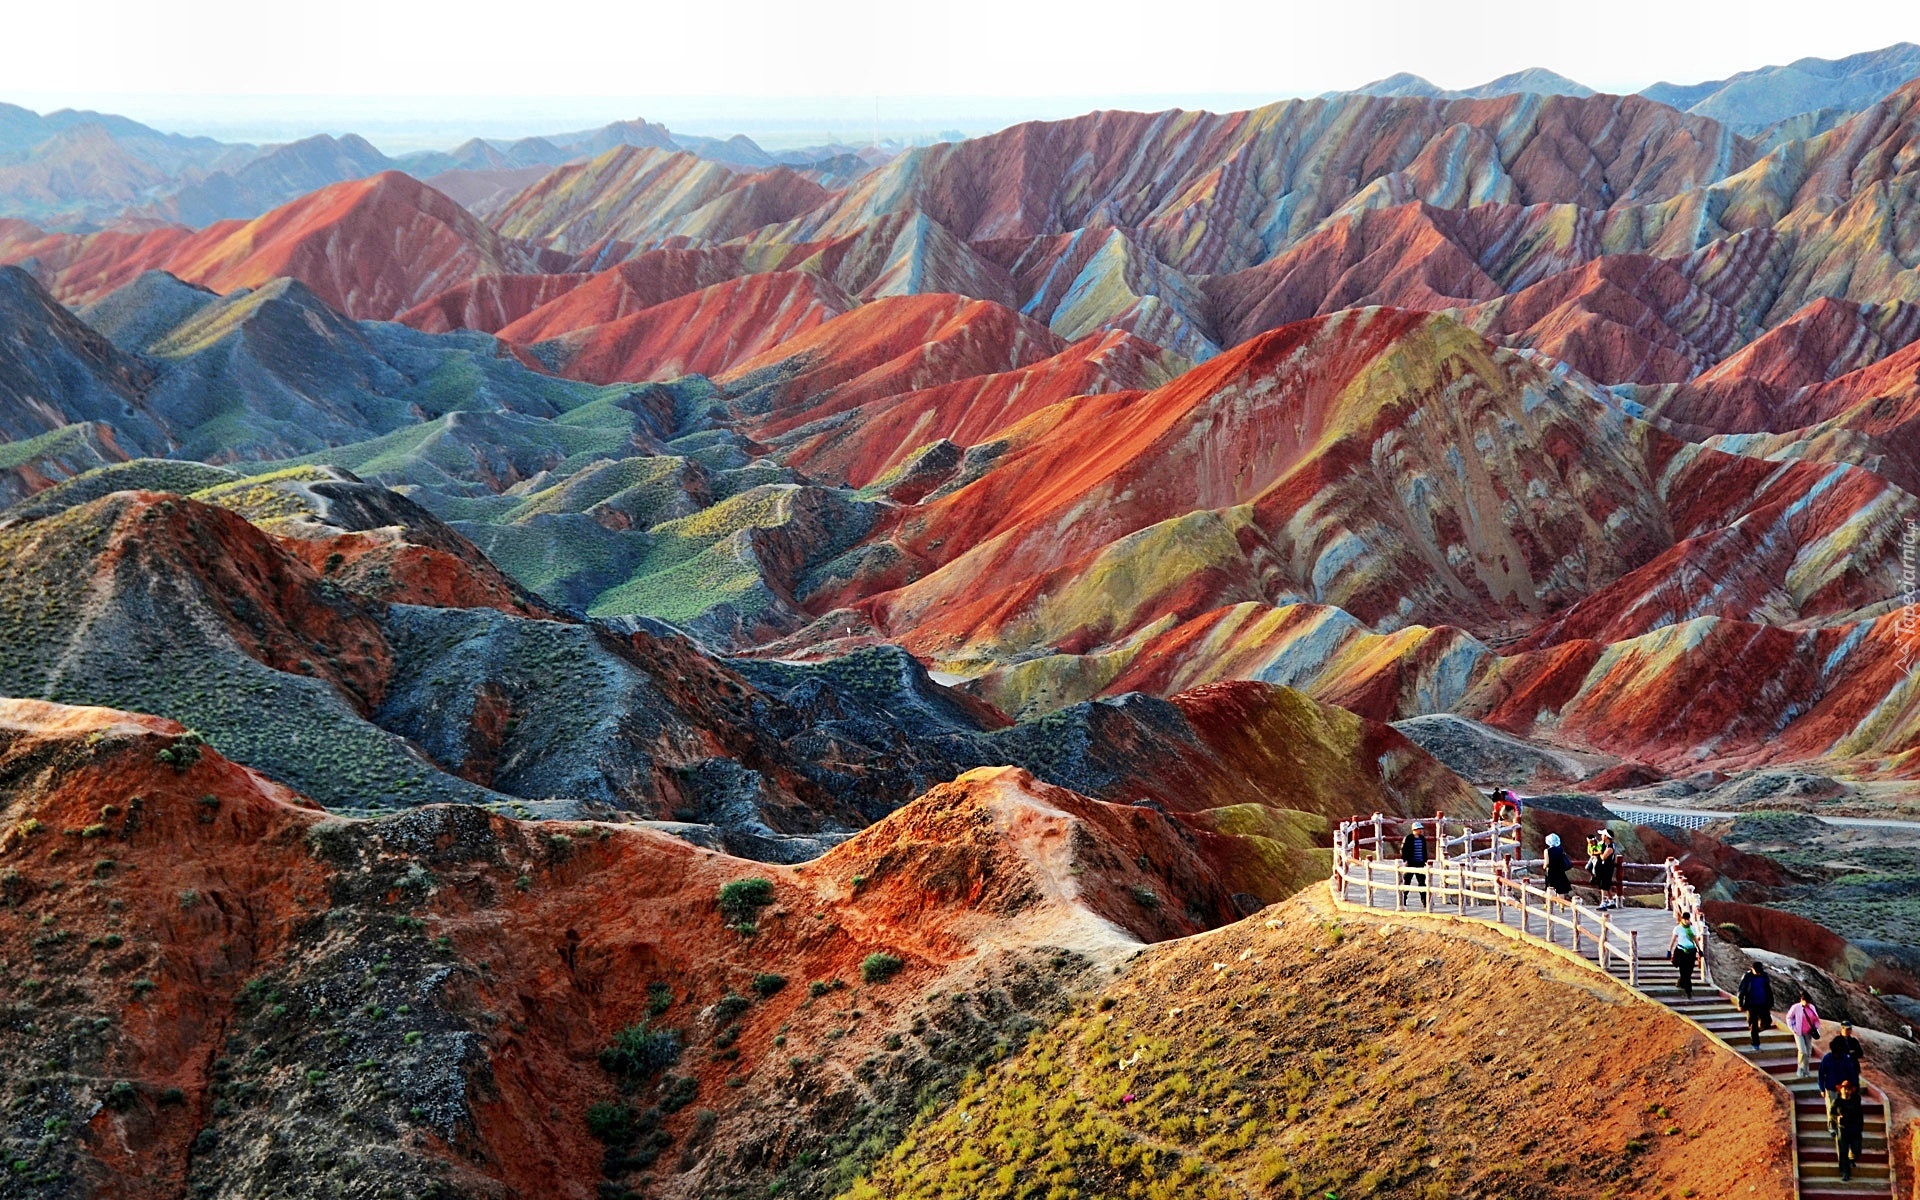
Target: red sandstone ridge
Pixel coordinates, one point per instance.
(371, 248)
(643, 196)
(385, 565)
(488, 303)
(863, 444)
(151, 556)
(1624, 318)
(1051, 177)
(707, 332)
(883, 348)
(1869, 415)
(1823, 341)
(1268, 442)
(642, 282)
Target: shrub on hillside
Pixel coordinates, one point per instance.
(611, 1122)
(640, 1050)
(879, 967)
(767, 983)
(184, 752)
(742, 899)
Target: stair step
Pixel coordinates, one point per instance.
(1816, 1112)
(1822, 1151)
(1777, 1056)
(1861, 1174)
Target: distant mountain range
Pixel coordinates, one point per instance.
(79, 170)
(1750, 102)
(85, 170)
(1754, 100)
(1532, 81)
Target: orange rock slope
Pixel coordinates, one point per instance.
(249, 969)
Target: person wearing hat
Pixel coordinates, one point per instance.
(1846, 1043)
(1683, 951)
(1619, 869)
(1603, 861)
(1555, 865)
(1838, 1068)
(1413, 864)
(1848, 1120)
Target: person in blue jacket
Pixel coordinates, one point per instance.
(1836, 1068)
(1756, 1000)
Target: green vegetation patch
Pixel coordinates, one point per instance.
(51, 444)
(138, 475)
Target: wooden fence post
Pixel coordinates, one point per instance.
(1633, 962)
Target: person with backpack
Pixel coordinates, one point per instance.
(1683, 951)
(1413, 862)
(1803, 1021)
(1849, 1126)
(1836, 1068)
(1556, 865)
(1506, 807)
(1603, 863)
(1756, 1000)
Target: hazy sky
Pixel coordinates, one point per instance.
(229, 66)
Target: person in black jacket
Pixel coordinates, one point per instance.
(1413, 862)
(1846, 1043)
(1555, 864)
(1850, 1126)
(1836, 1068)
(1756, 1000)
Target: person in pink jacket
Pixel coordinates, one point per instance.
(1804, 1022)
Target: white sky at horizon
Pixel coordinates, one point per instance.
(407, 73)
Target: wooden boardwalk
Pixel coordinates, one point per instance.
(1477, 890)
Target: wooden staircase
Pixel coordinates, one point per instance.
(1819, 1164)
(1476, 885)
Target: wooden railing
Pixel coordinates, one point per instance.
(1478, 876)
(1684, 900)
(1481, 864)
